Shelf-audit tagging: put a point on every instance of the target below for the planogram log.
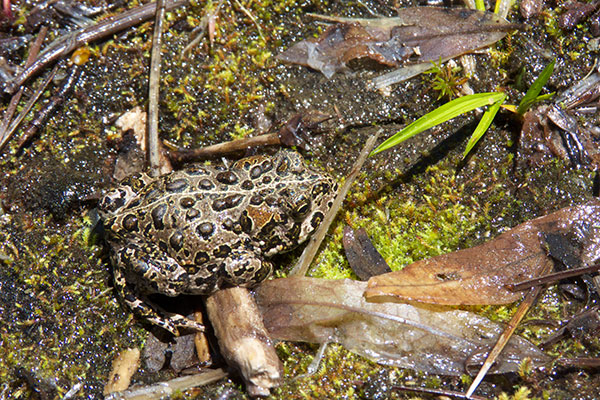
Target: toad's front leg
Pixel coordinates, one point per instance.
(150, 271)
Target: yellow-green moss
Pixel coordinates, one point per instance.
(431, 216)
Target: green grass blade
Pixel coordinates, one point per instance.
(543, 97)
(484, 124)
(441, 114)
(536, 88)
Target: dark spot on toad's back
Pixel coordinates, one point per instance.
(227, 177)
(205, 229)
(158, 213)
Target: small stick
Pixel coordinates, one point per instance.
(440, 392)
(218, 150)
(582, 362)
(309, 252)
(163, 389)
(154, 91)
(27, 107)
(505, 336)
(14, 101)
(86, 35)
(249, 15)
(551, 278)
(56, 100)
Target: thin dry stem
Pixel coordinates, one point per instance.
(309, 252)
(154, 91)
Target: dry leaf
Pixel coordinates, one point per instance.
(422, 337)
(363, 257)
(478, 275)
(418, 34)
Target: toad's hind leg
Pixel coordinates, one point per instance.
(147, 310)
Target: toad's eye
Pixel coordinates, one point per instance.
(112, 201)
(301, 207)
(135, 182)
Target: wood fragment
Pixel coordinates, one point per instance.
(201, 342)
(243, 339)
(221, 149)
(123, 368)
(292, 133)
(162, 389)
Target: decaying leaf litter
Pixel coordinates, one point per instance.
(345, 112)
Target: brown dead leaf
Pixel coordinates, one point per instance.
(363, 257)
(418, 34)
(422, 337)
(479, 275)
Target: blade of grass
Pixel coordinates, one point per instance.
(439, 115)
(484, 124)
(535, 89)
(543, 97)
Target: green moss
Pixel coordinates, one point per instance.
(62, 318)
(337, 372)
(431, 216)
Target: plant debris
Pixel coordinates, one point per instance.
(584, 326)
(363, 257)
(577, 12)
(480, 275)
(124, 366)
(421, 337)
(417, 34)
(565, 128)
(295, 132)
(243, 339)
(105, 28)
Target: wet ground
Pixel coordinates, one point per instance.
(60, 322)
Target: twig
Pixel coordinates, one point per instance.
(14, 101)
(218, 150)
(442, 393)
(249, 15)
(201, 29)
(551, 278)
(162, 389)
(505, 336)
(86, 35)
(56, 100)
(28, 107)
(582, 362)
(290, 134)
(309, 252)
(154, 90)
